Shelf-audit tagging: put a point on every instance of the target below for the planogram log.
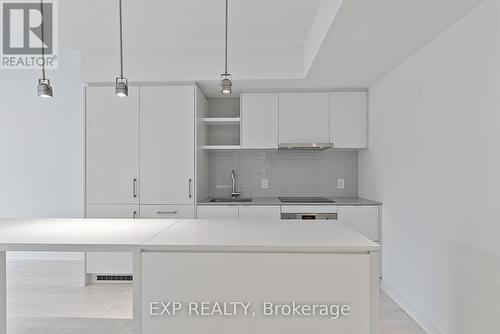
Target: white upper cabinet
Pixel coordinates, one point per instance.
(112, 146)
(348, 119)
(167, 145)
(259, 120)
(304, 118)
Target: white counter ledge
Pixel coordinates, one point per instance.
(186, 234)
(61, 234)
(259, 236)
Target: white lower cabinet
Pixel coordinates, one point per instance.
(260, 212)
(217, 212)
(119, 211)
(110, 263)
(363, 219)
(167, 212)
(121, 263)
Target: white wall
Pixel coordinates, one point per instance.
(41, 143)
(435, 163)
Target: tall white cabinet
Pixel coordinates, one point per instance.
(167, 145)
(140, 159)
(112, 146)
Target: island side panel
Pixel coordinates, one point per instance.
(375, 291)
(281, 278)
(3, 293)
(137, 287)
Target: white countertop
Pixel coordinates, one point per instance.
(127, 235)
(60, 234)
(258, 201)
(264, 236)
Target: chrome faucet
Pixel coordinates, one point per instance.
(234, 193)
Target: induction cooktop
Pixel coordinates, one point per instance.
(305, 200)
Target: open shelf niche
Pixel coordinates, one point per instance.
(222, 124)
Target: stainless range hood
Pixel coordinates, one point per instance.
(306, 146)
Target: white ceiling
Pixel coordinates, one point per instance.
(188, 23)
(168, 40)
(370, 38)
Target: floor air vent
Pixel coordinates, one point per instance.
(123, 278)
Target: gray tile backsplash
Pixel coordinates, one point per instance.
(289, 173)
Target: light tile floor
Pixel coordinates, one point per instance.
(45, 296)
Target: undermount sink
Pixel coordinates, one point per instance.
(230, 200)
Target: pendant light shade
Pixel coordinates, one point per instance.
(121, 87)
(225, 78)
(121, 83)
(44, 89)
(226, 84)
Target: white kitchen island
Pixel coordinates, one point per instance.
(223, 276)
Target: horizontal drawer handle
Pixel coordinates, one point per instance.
(166, 212)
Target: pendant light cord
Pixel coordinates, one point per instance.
(226, 36)
(43, 41)
(121, 41)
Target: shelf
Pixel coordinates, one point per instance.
(221, 120)
(222, 147)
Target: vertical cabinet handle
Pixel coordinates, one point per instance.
(134, 188)
(190, 181)
(135, 214)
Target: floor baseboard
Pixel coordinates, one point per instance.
(418, 317)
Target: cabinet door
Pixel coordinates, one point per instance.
(348, 119)
(167, 145)
(112, 146)
(363, 219)
(167, 211)
(217, 212)
(259, 120)
(260, 212)
(105, 262)
(304, 118)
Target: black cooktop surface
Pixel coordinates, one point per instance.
(305, 200)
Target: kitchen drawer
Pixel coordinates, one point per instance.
(217, 212)
(167, 211)
(104, 211)
(264, 213)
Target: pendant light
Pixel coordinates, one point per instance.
(226, 77)
(44, 88)
(121, 84)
